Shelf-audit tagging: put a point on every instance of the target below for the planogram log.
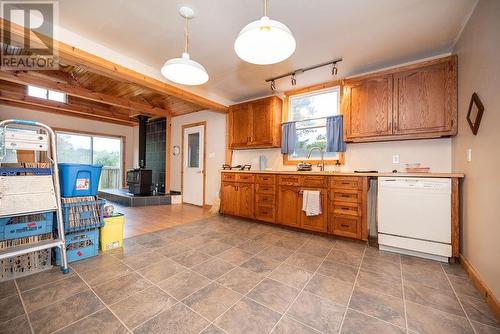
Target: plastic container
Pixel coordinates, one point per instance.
(79, 179)
(112, 232)
(83, 214)
(80, 245)
(26, 225)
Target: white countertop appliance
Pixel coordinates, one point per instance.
(414, 216)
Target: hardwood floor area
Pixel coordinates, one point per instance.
(147, 219)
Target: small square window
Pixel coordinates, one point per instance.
(57, 96)
(37, 92)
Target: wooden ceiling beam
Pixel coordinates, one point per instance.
(28, 78)
(70, 55)
(19, 96)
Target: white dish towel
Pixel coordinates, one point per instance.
(311, 202)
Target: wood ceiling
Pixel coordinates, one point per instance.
(96, 88)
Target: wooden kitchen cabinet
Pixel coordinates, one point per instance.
(237, 199)
(413, 102)
(229, 198)
(255, 124)
(317, 223)
(289, 206)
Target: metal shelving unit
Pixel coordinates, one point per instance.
(31, 194)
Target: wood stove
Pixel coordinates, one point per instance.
(139, 180)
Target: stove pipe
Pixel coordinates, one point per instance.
(143, 120)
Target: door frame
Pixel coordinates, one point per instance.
(204, 171)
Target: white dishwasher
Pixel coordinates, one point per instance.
(414, 216)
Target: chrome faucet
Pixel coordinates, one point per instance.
(322, 165)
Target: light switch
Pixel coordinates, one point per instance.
(395, 159)
(469, 154)
(211, 155)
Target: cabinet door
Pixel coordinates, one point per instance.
(229, 198)
(315, 223)
(425, 100)
(369, 107)
(245, 200)
(289, 206)
(241, 125)
(262, 113)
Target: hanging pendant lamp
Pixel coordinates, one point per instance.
(265, 41)
(183, 70)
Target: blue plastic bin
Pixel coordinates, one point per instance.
(79, 179)
(80, 245)
(83, 215)
(32, 225)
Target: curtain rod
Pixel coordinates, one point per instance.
(302, 70)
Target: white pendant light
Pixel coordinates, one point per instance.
(183, 70)
(265, 41)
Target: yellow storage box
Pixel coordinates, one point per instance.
(112, 232)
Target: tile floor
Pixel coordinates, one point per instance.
(222, 275)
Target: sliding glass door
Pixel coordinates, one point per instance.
(89, 149)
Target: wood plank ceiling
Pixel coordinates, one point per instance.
(96, 88)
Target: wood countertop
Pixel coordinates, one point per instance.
(330, 173)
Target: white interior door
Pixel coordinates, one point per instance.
(193, 163)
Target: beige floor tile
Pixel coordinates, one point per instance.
(288, 325)
(235, 256)
(33, 281)
(387, 256)
(161, 270)
(419, 263)
(212, 329)
(101, 322)
(479, 311)
(177, 320)
(276, 253)
(319, 313)
(142, 259)
(464, 287)
(444, 300)
(248, 317)
(19, 325)
(350, 246)
(315, 249)
(380, 283)
(425, 320)
(291, 276)
(455, 270)
(213, 268)
(10, 308)
(214, 247)
(261, 265)
(304, 261)
(274, 295)
(339, 271)
(345, 257)
(107, 273)
(240, 280)
(485, 329)
(142, 306)
(358, 323)
(380, 266)
(121, 287)
(330, 288)
(431, 278)
(212, 300)
(173, 248)
(183, 284)
(384, 307)
(253, 246)
(191, 258)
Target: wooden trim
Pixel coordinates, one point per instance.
(229, 152)
(100, 134)
(136, 108)
(488, 296)
(191, 125)
(455, 220)
(168, 150)
(73, 56)
(313, 88)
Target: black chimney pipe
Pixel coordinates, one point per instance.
(142, 140)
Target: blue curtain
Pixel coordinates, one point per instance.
(288, 137)
(334, 134)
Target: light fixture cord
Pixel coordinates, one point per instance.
(265, 7)
(186, 36)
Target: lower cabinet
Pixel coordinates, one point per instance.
(345, 226)
(317, 223)
(229, 198)
(289, 206)
(237, 199)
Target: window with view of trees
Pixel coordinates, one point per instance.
(310, 111)
(87, 149)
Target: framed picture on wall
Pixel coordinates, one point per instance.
(475, 113)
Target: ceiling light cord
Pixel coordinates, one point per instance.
(186, 35)
(265, 8)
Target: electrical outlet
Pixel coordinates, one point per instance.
(395, 158)
(469, 154)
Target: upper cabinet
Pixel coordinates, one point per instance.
(414, 102)
(255, 124)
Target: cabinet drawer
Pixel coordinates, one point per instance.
(289, 180)
(346, 195)
(313, 181)
(265, 179)
(265, 189)
(263, 199)
(228, 177)
(245, 178)
(265, 213)
(345, 183)
(346, 208)
(345, 226)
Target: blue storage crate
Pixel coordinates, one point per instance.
(83, 215)
(26, 226)
(80, 245)
(79, 179)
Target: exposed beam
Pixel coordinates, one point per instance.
(76, 57)
(17, 94)
(28, 78)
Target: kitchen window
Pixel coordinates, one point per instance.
(309, 111)
(47, 94)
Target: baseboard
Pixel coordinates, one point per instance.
(481, 286)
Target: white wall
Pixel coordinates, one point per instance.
(433, 153)
(79, 124)
(478, 51)
(215, 151)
